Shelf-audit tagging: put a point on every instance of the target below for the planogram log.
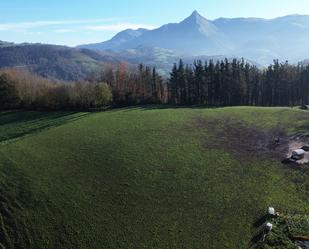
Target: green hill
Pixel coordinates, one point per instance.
(145, 177)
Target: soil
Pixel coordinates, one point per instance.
(247, 142)
(242, 140)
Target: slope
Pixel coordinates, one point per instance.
(143, 177)
(53, 61)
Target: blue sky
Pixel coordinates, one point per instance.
(72, 22)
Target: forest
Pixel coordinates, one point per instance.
(214, 84)
(239, 83)
(221, 83)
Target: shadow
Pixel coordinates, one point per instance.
(303, 131)
(258, 236)
(10, 117)
(260, 221)
(150, 107)
(160, 107)
(17, 124)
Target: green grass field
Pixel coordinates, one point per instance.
(145, 177)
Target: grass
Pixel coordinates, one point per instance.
(286, 228)
(299, 225)
(141, 178)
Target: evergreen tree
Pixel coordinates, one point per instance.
(173, 86)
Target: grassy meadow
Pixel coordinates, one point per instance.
(145, 177)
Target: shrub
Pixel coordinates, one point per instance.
(103, 95)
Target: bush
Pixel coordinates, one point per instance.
(103, 95)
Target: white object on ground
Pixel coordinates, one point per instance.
(271, 211)
(298, 154)
(269, 226)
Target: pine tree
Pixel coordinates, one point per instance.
(173, 85)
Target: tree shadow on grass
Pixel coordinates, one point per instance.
(154, 107)
(260, 221)
(258, 236)
(303, 131)
(17, 124)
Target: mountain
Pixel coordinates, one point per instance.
(162, 59)
(202, 37)
(118, 41)
(53, 61)
(257, 39)
(283, 38)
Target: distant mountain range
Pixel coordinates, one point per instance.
(73, 64)
(259, 40)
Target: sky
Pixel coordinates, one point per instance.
(74, 22)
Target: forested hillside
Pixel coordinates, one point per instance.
(52, 61)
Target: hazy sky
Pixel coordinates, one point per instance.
(73, 22)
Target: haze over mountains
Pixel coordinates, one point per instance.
(257, 39)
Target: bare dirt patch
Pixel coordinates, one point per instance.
(242, 140)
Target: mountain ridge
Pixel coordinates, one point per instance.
(257, 39)
(52, 61)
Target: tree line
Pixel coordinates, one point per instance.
(134, 86)
(221, 83)
(236, 82)
(119, 86)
